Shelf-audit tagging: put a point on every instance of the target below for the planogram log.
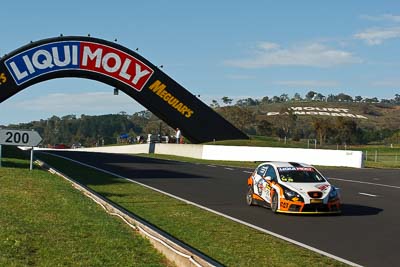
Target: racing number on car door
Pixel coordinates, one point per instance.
(261, 186)
(271, 173)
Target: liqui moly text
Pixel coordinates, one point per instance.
(70, 55)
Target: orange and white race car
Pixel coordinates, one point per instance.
(289, 187)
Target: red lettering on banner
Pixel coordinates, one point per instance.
(114, 63)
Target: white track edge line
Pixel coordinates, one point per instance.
(362, 182)
(218, 213)
(366, 194)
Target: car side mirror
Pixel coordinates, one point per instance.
(268, 178)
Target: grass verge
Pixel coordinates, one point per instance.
(46, 222)
(230, 243)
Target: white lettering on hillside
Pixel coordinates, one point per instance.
(318, 111)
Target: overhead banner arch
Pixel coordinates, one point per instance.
(119, 67)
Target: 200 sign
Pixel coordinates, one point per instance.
(17, 137)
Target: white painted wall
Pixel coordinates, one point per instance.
(183, 150)
(323, 157)
(127, 149)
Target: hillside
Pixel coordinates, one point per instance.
(328, 122)
(378, 116)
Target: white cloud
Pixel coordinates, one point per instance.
(239, 77)
(376, 36)
(382, 17)
(387, 83)
(269, 54)
(80, 103)
(308, 83)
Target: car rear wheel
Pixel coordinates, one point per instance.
(249, 196)
(274, 203)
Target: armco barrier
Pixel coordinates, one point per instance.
(322, 157)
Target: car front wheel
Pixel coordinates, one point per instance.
(274, 203)
(249, 196)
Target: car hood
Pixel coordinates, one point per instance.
(303, 188)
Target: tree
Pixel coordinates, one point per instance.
(214, 104)
(397, 98)
(264, 127)
(284, 98)
(226, 100)
(345, 98)
(331, 98)
(247, 102)
(321, 128)
(310, 95)
(371, 100)
(241, 117)
(286, 122)
(265, 100)
(358, 98)
(297, 97)
(276, 99)
(347, 130)
(319, 97)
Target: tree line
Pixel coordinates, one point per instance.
(310, 96)
(94, 130)
(245, 115)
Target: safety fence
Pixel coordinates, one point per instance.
(382, 157)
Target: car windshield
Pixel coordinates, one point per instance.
(300, 175)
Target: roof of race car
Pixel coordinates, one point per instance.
(285, 164)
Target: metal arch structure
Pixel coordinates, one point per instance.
(119, 67)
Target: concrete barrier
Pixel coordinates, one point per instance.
(323, 157)
(127, 149)
(183, 150)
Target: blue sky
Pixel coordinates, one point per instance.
(214, 48)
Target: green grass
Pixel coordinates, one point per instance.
(230, 243)
(46, 222)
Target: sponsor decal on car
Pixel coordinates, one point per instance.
(322, 187)
(286, 169)
(70, 55)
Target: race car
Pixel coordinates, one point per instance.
(290, 187)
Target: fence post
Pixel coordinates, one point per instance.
(376, 155)
(366, 155)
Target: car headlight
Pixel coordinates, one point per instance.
(333, 194)
(291, 195)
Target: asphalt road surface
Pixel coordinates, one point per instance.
(366, 233)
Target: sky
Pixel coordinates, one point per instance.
(238, 49)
